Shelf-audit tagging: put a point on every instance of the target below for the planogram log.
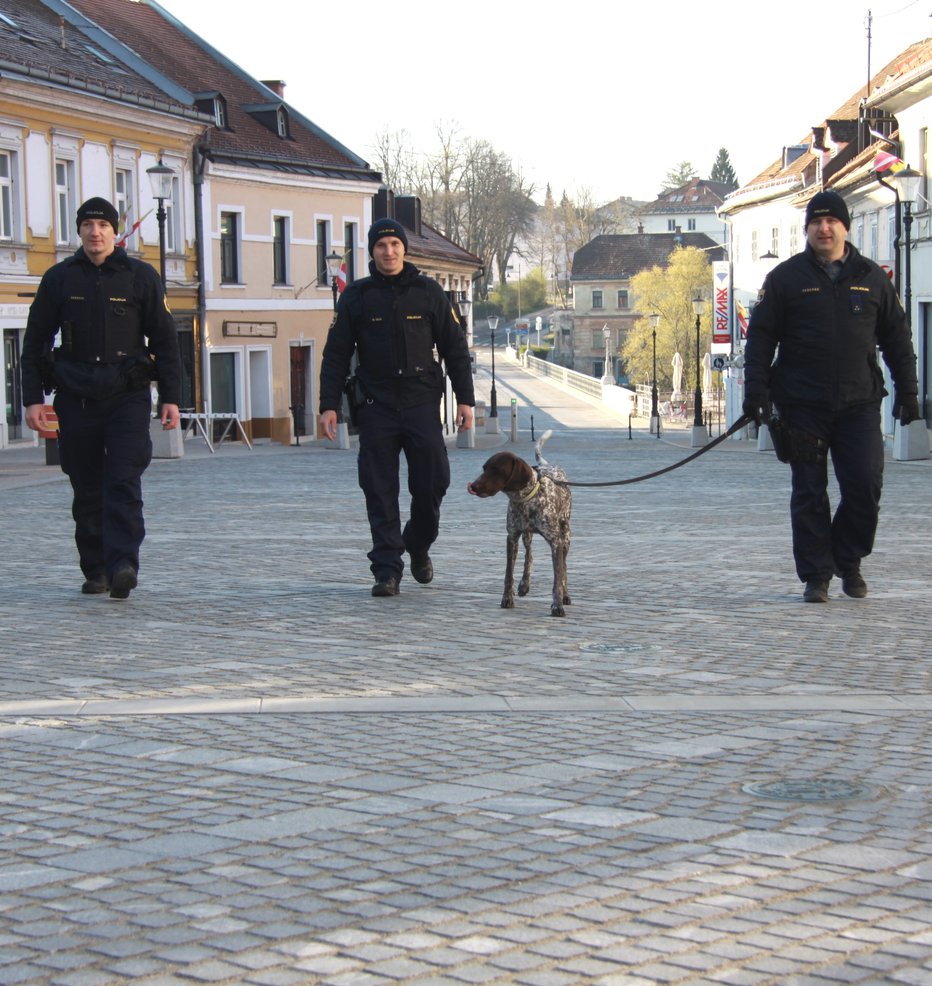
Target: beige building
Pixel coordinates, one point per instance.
(274, 196)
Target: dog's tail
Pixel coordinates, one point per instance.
(541, 461)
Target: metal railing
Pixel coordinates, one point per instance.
(569, 378)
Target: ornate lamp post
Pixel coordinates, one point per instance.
(161, 178)
(334, 263)
(908, 180)
(607, 374)
(492, 424)
(699, 435)
(654, 405)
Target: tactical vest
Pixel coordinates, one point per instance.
(99, 316)
(395, 338)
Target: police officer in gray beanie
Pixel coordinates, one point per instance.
(812, 353)
(117, 336)
(394, 320)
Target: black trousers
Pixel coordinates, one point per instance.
(105, 447)
(824, 544)
(384, 433)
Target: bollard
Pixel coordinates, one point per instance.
(514, 419)
(532, 427)
(297, 412)
(630, 434)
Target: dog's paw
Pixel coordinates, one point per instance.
(524, 588)
(508, 602)
(557, 611)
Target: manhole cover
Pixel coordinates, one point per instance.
(823, 789)
(617, 648)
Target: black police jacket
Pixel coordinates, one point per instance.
(825, 335)
(394, 324)
(116, 329)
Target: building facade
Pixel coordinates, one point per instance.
(75, 123)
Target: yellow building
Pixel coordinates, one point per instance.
(75, 123)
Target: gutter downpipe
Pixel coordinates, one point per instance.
(199, 161)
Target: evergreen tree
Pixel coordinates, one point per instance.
(722, 169)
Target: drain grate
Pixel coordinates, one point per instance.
(819, 789)
(602, 648)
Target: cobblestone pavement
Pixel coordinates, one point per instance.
(253, 772)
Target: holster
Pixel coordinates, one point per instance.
(793, 445)
(355, 398)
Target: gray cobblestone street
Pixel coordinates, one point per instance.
(253, 772)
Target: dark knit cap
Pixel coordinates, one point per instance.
(828, 204)
(386, 227)
(98, 208)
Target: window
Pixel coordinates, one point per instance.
(172, 228)
(755, 249)
(671, 225)
(691, 225)
(229, 248)
(622, 299)
(323, 242)
(775, 241)
(6, 195)
(596, 299)
(220, 112)
(280, 249)
(794, 239)
(872, 249)
(125, 204)
(281, 122)
(65, 207)
(349, 246)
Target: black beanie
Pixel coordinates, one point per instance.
(828, 204)
(386, 227)
(98, 208)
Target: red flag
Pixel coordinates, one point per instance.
(128, 233)
(341, 278)
(885, 161)
(742, 319)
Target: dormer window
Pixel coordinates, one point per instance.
(214, 105)
(273, 116)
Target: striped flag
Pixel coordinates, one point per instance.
(341, 278)
(129, 232)
(742, 313)
(885, 161)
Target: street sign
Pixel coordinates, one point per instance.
(719, 362)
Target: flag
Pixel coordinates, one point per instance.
(742, 319)
(341, 278)
(885, 161)
(128, 233)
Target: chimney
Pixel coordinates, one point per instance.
(408, 212)
(276, 85)
(383, 204)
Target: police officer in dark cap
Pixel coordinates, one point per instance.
(115, 335)
(394, 321)
(812, 353)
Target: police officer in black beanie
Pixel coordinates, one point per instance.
(812, 352)
(117, 336)
(394, 320)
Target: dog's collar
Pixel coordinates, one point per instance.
(534, 490)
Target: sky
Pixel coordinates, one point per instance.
(588, 96)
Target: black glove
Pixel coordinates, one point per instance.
(906, 409)
(754, 405)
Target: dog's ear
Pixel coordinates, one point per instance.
(519, 475)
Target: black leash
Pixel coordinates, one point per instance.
(737, 426)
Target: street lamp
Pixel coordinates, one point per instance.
(161, 180)
(493, 400)
(699, 309)
(607, 375)
(654, 405)
(334, 263)
(908, 180)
